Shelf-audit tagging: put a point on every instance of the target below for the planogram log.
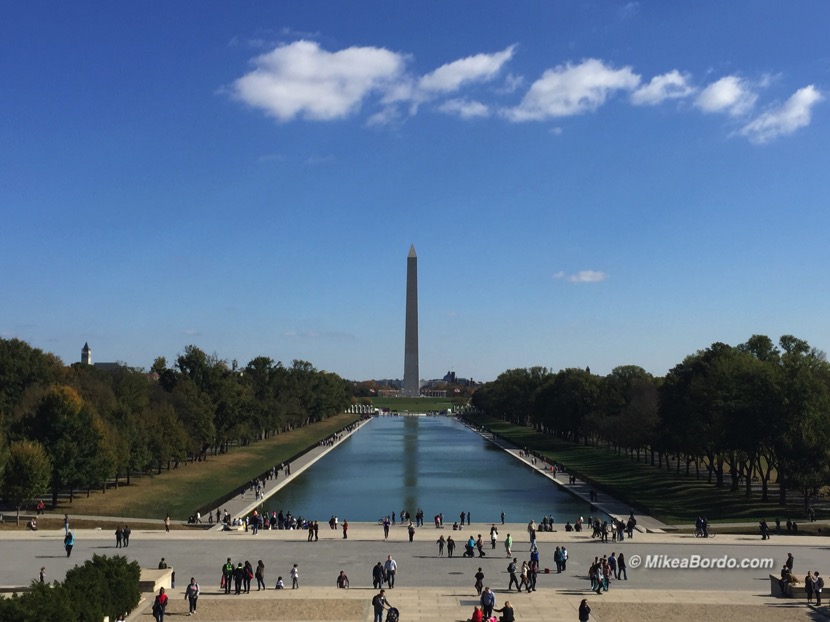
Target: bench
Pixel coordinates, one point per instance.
(152, 580)
(793, 589)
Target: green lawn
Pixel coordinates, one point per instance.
(671, 498)
(413, 404)
(181, 491)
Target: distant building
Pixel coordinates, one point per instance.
(86, 359)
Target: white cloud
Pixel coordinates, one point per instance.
(465, 109)
(452, 76)
(302, 80)
(671, 85)
(730, 94)
(785, 119)
(572, 89)
(587, 276)
(583, 276)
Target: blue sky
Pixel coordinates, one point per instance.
(586, 183)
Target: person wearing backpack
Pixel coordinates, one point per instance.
(160, 606)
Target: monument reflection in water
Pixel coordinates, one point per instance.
(432, 463)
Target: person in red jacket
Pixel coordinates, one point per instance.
(160, 606)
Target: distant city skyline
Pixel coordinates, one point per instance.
(587, 183)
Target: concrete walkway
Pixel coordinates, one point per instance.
(605, 504)
(246, 503)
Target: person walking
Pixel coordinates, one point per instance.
(479, 584)
(440, 543)
(260, 576)
(127, 532)
(411, 531)
(66, 524)
(69, 542)
(191, 595)
(584, 611)
(390, 570)
(494, 535)
(160, 606)
(378, 576)
(342, 581)
(621, 567)
(379, 603)
(295, 577)
(511, 570)
(508, 545)
(450, 546)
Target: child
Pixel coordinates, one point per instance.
(280, 585)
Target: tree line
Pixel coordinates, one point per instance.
(751, 413)
(83, 426)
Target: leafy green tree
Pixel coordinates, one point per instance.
(103, 586)
(27, 473)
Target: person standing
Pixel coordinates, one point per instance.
(167, 523)
(621, 567)
(411, 531)
(479, 584)
(43, 574)
(584, 611)
(440, 542)
(295, 577)
(238, 573)
(494, 535)
(247, 576)
(468, 518)
(191, 594)
(557, 559)
(345, 529)
(378, 576)
(342, 580)
(564, 559)
(227, 575)
(160, 606)
(818, 587)
(260, 576)
(808, 586)
(379, 603)
(66, 524)
(450, 546)
(488, 602)
(502, 519)
(69, 542)
(119, 537)
(127, 532)
(386, 528)
(390, 570)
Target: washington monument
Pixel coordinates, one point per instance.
(411, 382)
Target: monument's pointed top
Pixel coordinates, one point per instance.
(412, 251)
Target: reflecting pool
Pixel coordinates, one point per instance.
(433, 463)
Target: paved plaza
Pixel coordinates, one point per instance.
(433, 588)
